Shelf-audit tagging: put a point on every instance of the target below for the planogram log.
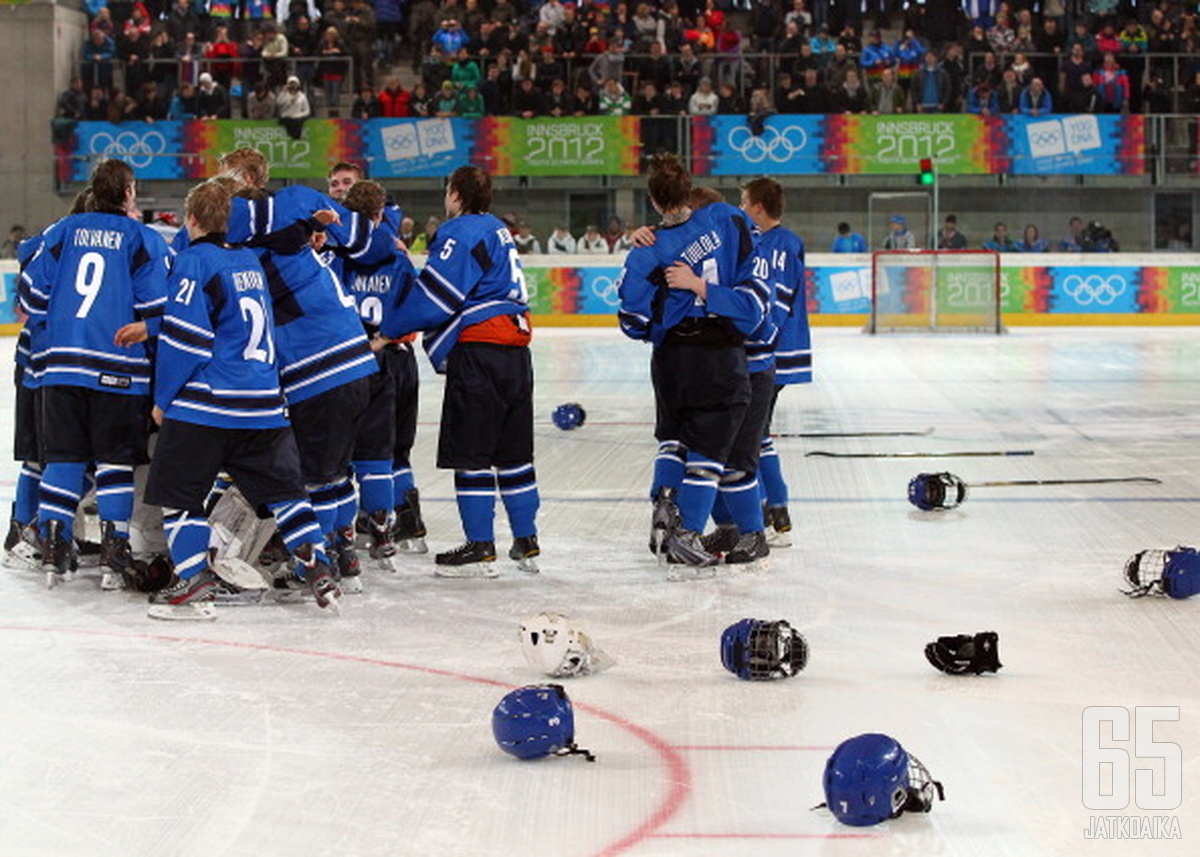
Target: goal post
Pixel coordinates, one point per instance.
(930, 291)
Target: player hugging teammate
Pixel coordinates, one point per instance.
(270, 377)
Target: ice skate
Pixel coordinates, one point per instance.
(273, 555)
(227, 594)
(319, 579)
(381, 544)
(779, 526)
(116, 559)
(470, 559)
(187, 600)
(58, 556)
(750, 553)
(686, 557)
(22, 547)
(523, 550)
(663, 520)
(343, 557)
(409, 532)
(721, 540)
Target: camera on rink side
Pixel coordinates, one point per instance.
(1097, 238)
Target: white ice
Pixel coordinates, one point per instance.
(282, 731)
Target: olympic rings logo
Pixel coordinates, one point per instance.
(607, 289)
(1094, 288)
(778, 144)
(137, 149)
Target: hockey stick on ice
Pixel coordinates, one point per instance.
(924, 433)
(1140, 480)
(822, 454)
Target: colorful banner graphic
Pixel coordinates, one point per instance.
(320, 144)
(569, 146)
(788, 145)
(1067, 144)
(878, 145)
(404, 148)
(152, 149)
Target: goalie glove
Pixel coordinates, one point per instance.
(931, 492)
(1174, 573)
(965, 653)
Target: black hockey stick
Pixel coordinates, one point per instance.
(1141, 480)
(924, 433)
(822, 454)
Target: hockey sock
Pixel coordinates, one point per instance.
(402, 480)
(374, 485)
(698, 491)
(741, 497)
(220, 485)
(58, 494)
(770, 475)
(519, 491)
(347, 504)
(325, 499)
(720, 512)
(668, 466)
(25, 503)
(114, 495)
(475, 491)
(298, 526)
(187, 540)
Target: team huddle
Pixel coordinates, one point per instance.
(272, 349)
(263, 366)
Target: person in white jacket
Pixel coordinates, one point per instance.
(592, 242)
(560, 242)
(704, 100)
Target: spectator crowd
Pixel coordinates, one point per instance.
(158, 59)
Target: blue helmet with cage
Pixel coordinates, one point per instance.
(871, 778)
(932, 492)
(535, 721)
(1174, 573)
(758, 650)
(569, 416)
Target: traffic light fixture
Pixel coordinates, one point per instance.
(926, 176)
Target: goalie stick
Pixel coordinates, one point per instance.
(922, 433)
(932, 492)
(822, 454)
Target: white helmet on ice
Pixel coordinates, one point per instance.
(553, 645)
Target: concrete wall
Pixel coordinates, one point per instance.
(39, 49)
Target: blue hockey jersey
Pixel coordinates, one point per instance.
(95, 273)
(26, 250)
(717, 243)
(377, 288)
(787, 344)
(251, 221)
(472, 273)
(216, 351)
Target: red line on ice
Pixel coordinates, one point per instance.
(680, 777)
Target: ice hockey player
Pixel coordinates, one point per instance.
(220, 407)
(94, 292)
(694, 296)
(471, 302)
(324, 357)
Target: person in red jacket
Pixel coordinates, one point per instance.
(393, 99)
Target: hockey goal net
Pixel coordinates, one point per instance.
(935, 291)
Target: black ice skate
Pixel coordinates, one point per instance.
(273, 555)
(750, 552)
(344, 557)
(470, 559)
(721, 540)
(22, 546)
(409, 533)
(663, 520)
(58, 555)
(188, 600)
(381, 542)
(779, 525)
(687, 557)
(523, 550)
(116, 558)
(317, 576)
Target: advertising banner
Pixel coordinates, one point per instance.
(568, 146)
(1068, 144)
(152, 149)
(879, 145)
(788, 145)
(404, 148)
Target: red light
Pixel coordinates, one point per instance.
(926, 165)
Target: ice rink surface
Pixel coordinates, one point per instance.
(282, 731)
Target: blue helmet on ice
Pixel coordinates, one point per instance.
(568, 416)
(536, 721)
(1174, 573)
(871, 778)
(931, 492)
(758, 650)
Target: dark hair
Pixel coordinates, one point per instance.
(342, 166)
(474, 189)
(702, 196)
(843, 228)
(768, 193)
(668, 181)
(109, 182)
